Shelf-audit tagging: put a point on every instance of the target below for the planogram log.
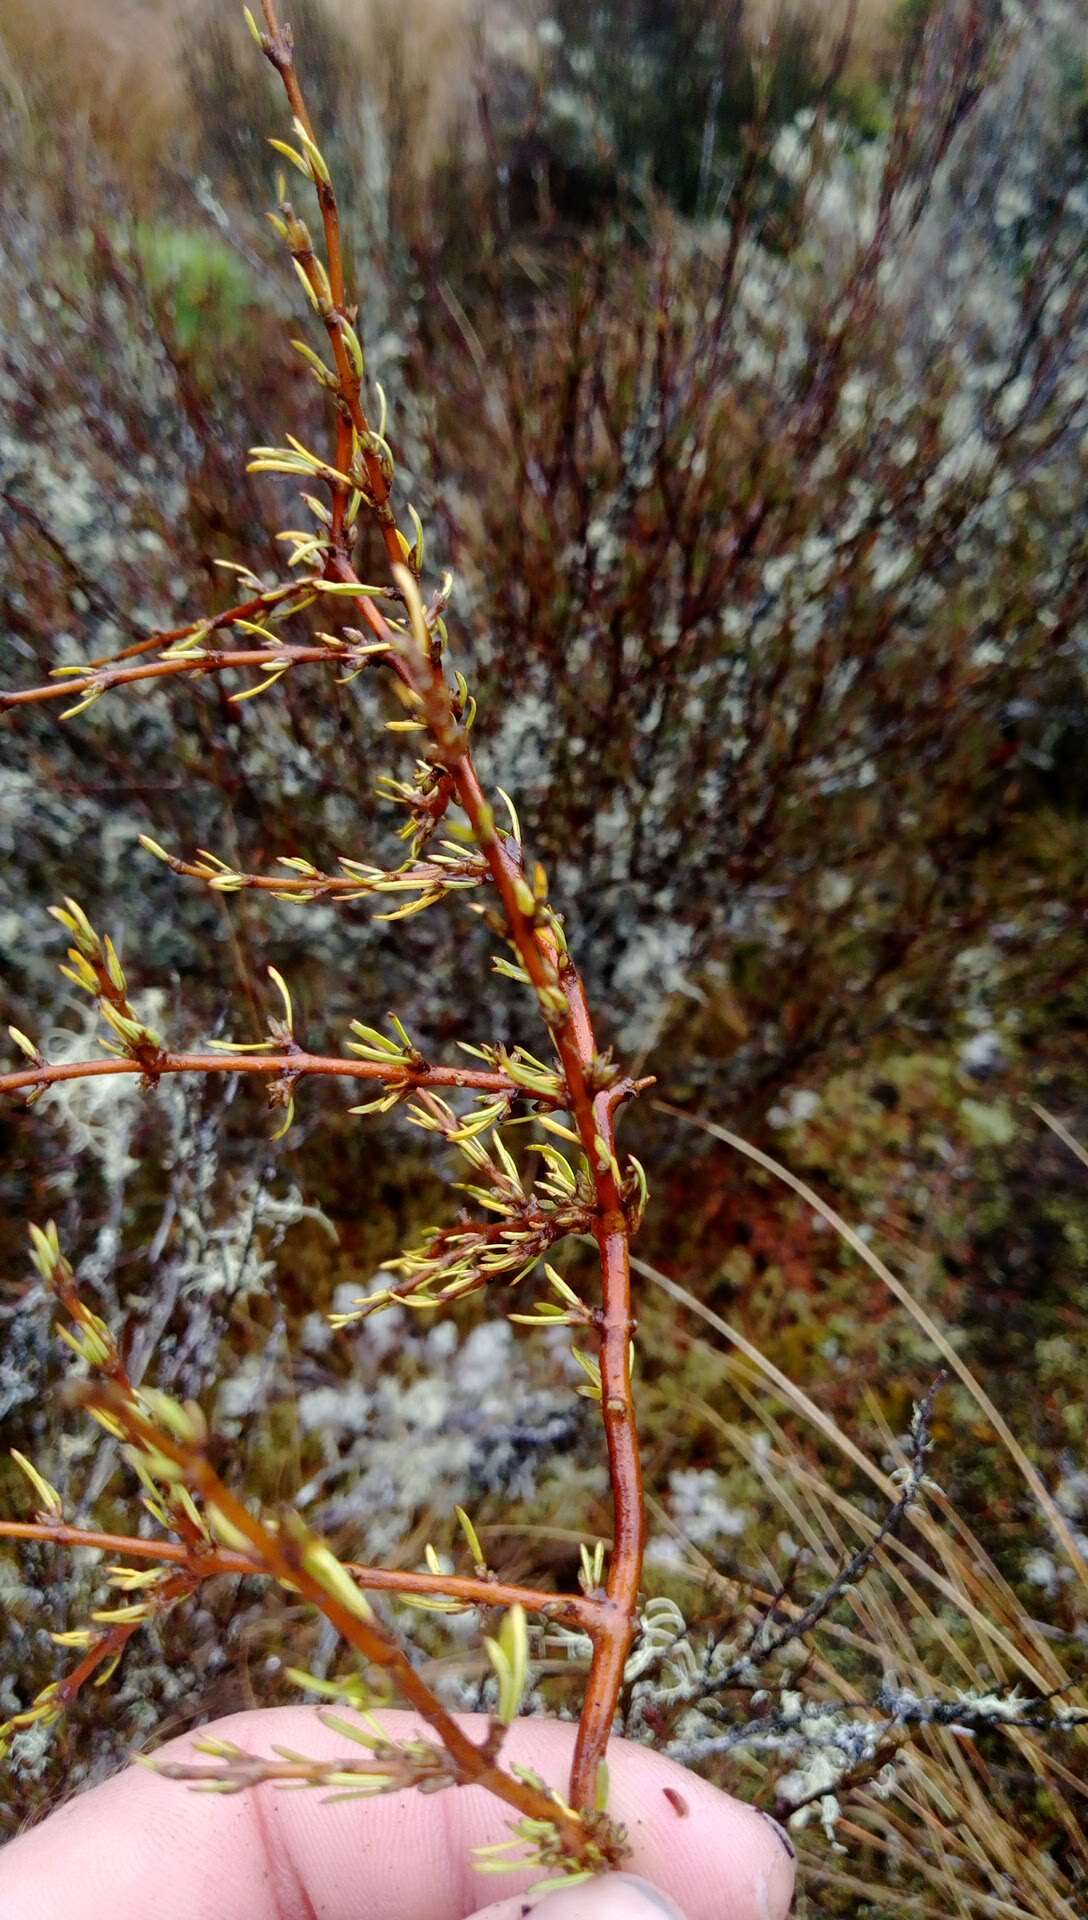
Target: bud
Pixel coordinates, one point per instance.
(321, 1564)
(184, 1421)
(509, 1656)
(48, 1498)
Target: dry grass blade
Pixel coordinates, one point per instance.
(1056, 1126)
(937, 1613)
(1041, 1492)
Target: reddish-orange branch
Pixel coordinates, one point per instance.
(286, 1561)
(105, 678)
(205, 1562)
(268, 1064)
(594, 1115)
(572, 1034)
(158, 642)
(593, 1092)
(279, 50)
(108, 1648)
(212, 623)
(423, 877)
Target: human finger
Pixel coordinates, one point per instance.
(613, 1896)
(139, 1844)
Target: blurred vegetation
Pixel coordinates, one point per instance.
(741, 373)
(207, 294)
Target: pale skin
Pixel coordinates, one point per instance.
(139, 1846)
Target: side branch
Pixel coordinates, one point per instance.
(588, 1084)
(207, 1562)
(302, 1563)
(590, 1097)
(445, 872)
(99, 681)
(352, 426)
(270, 1065)
(261, 603)
(591, 1085)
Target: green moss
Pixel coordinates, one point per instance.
(988, 1123)
(204, 286)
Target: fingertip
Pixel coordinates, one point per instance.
(778, 1877)
(614, 1896)
(716, 1857)
(694, 1852)
(699, 1852)
(750, 1871)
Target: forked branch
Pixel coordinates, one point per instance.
(218, 1533)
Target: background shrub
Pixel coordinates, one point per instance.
(758, 454)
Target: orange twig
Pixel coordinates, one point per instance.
(471, 1764)
(105, 678)
(588, 1085)
(205, 1561)
(279, 49)
(268, 1064)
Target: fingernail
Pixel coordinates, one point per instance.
(652, 1897)
(614, 1896)
(781, 1834)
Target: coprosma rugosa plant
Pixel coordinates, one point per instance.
(458, 842)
